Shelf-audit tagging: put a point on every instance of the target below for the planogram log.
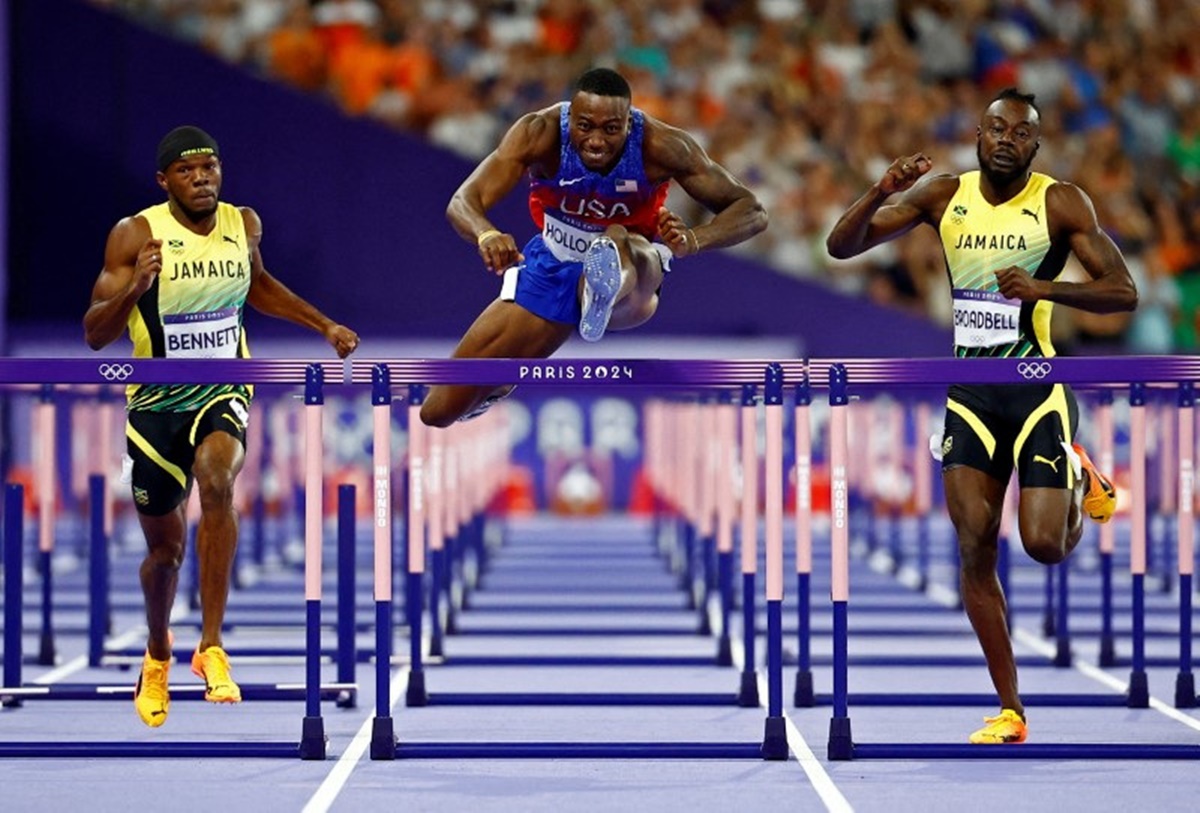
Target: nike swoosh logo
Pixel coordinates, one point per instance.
(569, 181)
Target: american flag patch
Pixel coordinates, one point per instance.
(626, 186)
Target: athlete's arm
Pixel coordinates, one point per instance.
(532, 139)
(132, 262)
(270, 296)
(738, 214)
(1071, 217)
(872, 220)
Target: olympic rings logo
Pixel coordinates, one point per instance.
(1033, 369)
(115, 372)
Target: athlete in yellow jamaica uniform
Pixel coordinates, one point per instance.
(1006, 232)
(178, 276)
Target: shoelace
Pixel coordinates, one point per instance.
(216, 666)
(154, 679)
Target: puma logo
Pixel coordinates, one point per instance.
(1037, 458)
(229, 239)
(1034, 215)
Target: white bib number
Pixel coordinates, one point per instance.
(566, 242)
(210, 335)
(985, 318)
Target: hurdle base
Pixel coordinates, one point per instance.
(383, 739)
(415, 694)
(1108, 651)
(1185, 691)
(841, 744)
(46, 655)
(1062, 652)
(346, 699)
(775, 745)
(312, 738)
(724, 651)
(804, 696)
(748, 691)
(1138, 696)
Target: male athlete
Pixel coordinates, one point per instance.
(1006, 232)
(599, 173)
(178, 276)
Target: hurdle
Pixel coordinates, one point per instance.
(312, 743)
(876, 373)
(633, 373)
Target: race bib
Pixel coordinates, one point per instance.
(211, 335)
(566, 242)
(985, 318)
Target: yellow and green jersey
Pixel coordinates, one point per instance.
(194, 309)
(980, 239)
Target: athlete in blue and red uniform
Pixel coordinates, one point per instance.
(599, 174)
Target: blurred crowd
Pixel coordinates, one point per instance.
(805, 101)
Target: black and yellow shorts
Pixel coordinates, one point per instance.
(163, 445)
(991, 427)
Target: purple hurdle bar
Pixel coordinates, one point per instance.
(312, 744)
(878, 373)
(642, 374)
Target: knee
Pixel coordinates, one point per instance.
(165, 556)
(1047, 549)
(619, 235)
(215, 484)
(435, 415)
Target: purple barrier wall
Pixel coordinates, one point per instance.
(6, 119)
(353, 211)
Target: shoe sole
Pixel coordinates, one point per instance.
(601, 282)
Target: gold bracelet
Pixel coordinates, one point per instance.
(695, 242)
(487, 234)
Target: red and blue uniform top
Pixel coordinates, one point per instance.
(578, 199)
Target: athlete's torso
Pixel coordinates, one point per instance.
(194, 308)
(578, 202)
(980, 239)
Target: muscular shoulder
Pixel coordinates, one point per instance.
(931, 194)
(534, 138)
(252, 222)
(668, 150)
(128, 235)
(1069, 208)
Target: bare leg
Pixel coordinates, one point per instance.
(159, 574)
(1051, 522)
(975, 501)
(218, 460)
(503, 330)
(641, 277)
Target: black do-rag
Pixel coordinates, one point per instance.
(183, 142)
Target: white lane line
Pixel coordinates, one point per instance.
(327, 793)
(1100, 676)
(818, 777)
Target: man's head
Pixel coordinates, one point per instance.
(189, 170)
(1008, 136)
(599, 119)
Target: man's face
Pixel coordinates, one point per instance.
(1008, 139)
(194, 183)
(599, 126)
